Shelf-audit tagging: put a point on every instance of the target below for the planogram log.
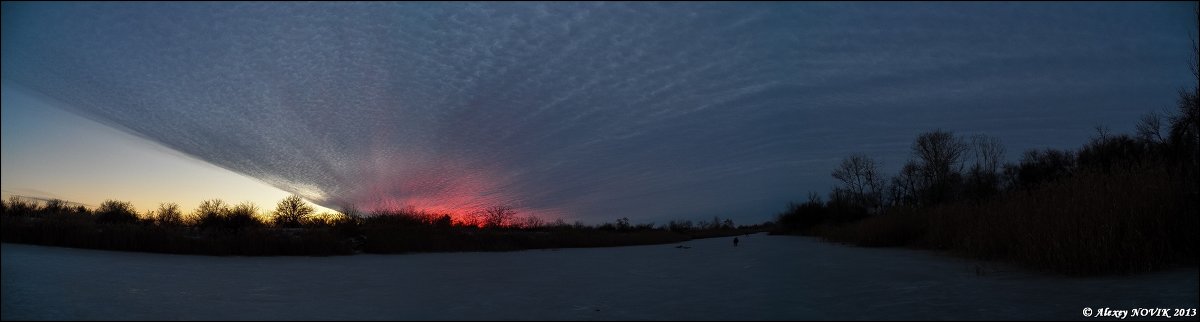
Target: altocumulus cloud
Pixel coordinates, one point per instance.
(589, 111)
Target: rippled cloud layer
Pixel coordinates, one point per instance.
(588, 110)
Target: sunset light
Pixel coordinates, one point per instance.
(339, 160)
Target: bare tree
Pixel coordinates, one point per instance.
(497, 216)
(983, 179)
(211, 207)
(290, 210)
(1102, 132)
(1185, 123)
(243, 215)
(531, 222)
(680, 225)
(209, 213)
(20, 207)
(116, 211)
(989, 153)
(168, 214)
(940, 156)
(623, 223)
(904, 186)
(939, 153)
(860, 174)
(1040, 166)
(1149, 128)
(54, 205)
(349, 215)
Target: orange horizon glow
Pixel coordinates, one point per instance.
(147, 174)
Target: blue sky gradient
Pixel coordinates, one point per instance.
(587, 111)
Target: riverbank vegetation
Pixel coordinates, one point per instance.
(217, 228)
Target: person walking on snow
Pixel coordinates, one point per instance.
(735, 241)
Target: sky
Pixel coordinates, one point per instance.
(65, 156)
(580, 111)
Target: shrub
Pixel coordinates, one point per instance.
(168, 214)
(113, 211)
(208, 215)
(17, 206)
(290, 211)
(241, 217)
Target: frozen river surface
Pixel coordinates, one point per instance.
(766, 277)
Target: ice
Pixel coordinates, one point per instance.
(766, 277)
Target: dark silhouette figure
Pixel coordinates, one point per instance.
(735, 242)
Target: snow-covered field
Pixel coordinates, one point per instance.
(766, 277)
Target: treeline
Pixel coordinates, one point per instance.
(218, 228)
(214, 228)
(1120, 203)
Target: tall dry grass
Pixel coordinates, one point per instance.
(1128, 220)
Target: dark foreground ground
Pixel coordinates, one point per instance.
(766, 277)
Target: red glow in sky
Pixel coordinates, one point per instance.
(434, 184)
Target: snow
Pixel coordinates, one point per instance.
(766, 277)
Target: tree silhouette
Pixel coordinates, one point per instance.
(241, 216)
(939, 155)
(443, 221)
(1149, 128)
(208, 214)
(1119, 151)
(114, 211)
(984, 177)
(905, 186)
(497, 216)
(54, 205)
(1184, 133)
(1041, 166)
(989, 153)
(680, 225)
(168, 214)
(860, 174)
(801, 216)
(290, 210)
(623, 223)
(19, 207)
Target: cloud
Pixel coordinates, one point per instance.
(579, 110)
